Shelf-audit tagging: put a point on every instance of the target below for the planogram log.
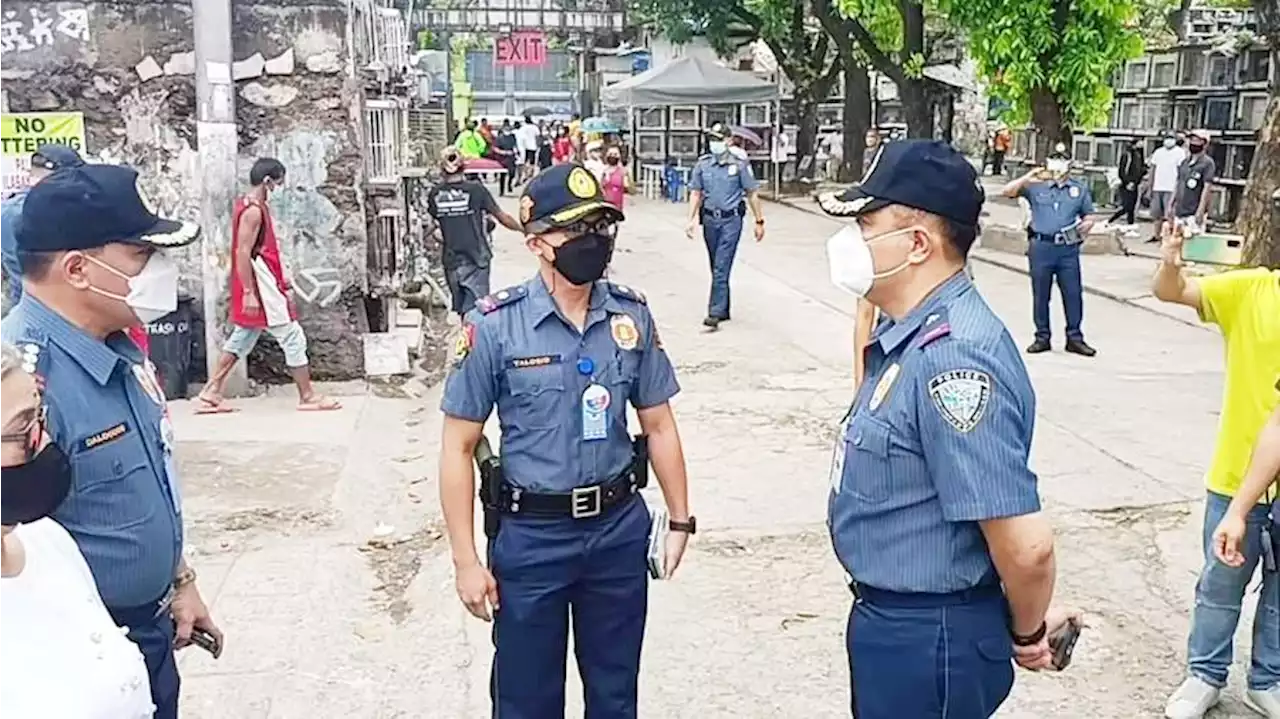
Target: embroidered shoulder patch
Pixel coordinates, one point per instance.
(462, 346)
(961, 397)
(498, 299)
(629, 293)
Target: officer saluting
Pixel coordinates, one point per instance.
(94, 262)
(721, 186)
(1060, 209)
(561, 356)
(933, 506)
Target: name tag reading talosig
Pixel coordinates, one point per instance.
(538, 361)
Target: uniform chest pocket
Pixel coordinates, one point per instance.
(538, 397)
(111, 462)
(623, 371)
(866, 472)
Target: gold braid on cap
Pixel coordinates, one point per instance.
(831, 204)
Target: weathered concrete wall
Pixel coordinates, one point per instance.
(130, 68)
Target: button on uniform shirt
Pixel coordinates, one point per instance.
(723, 184)
(936, 441)
(1056, 206)
(524, 358)
(1195, 174)
(107, 413)
(57, 631)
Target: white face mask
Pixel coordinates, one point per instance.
(153, 292)
(1058, 167)
(717, 147)
(1169, 142)
(849, 258)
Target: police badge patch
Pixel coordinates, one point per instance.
(961, 396)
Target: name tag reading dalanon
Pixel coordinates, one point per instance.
(537, 361)
(107, 435)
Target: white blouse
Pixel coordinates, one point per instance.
(61, 655)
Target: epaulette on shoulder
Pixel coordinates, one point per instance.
(501, 298)
(935, 328)
(627, 293)
(32, 350)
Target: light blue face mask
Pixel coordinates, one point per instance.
(718, 147)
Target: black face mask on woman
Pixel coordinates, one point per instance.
(583, 259)
(34, 490)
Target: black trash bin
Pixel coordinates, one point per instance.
(170, 350)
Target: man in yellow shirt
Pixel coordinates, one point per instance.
(1245, 304)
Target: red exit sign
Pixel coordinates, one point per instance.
(520, 49)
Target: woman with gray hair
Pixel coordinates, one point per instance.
(62, 656)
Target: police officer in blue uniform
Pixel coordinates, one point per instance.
(561, 356)
(721, 186)
(933, 511)
(93, 263)
(1060, 209)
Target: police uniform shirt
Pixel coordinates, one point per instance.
(1055, 206)
(936, 441)
(723, 184)
(519, 352)
(106, 411)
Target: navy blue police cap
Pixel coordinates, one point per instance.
(53, 156)
(560, 196)
(89, 206)
(928, 175)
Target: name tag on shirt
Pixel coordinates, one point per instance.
(106, 436)
(538, 361)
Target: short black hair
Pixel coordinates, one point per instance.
(35, 264)
(960, 235)
(265, 167)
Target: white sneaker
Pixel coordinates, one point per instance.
(1264, 701)
(1192, 699)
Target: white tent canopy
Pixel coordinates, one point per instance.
(690, 80)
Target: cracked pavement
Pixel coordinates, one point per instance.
(281, 508)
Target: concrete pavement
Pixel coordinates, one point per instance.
(281, 508)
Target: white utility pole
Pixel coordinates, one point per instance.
(216, 141)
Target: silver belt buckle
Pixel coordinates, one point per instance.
(162, 607)
(585, 502)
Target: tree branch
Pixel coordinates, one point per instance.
(879, 59)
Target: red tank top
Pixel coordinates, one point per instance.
(269, 250)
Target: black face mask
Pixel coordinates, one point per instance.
(33, 490)
(583, 260)
(612, 160)
(1196, 148)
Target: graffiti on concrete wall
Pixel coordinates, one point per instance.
(21, 32)
(318, 285)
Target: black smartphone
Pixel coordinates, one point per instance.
(206, 641)
(1063, 643)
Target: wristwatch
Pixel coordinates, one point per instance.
(759, 220)
(185, 577)
(689, 527)
(1032, 638)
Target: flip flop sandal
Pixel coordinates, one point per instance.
(208, 406)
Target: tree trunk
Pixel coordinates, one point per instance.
(1047, 118)
(857, 119)
(1257, 220)
(807, 135)
(916, 110)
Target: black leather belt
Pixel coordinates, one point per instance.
(715, 214)
(884, 597)
(1055, 239)
(581, 503)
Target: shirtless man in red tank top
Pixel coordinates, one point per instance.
(261, 296)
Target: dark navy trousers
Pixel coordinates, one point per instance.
(721, 237)
(1049, 261)
(548, 569)
(154, 636)
(929, 656)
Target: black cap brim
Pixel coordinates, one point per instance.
(573, 213)
(853, 202)
(167, 233)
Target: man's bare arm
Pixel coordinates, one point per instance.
(667, 456)
(757, 207)
(458, 487)
(1022, 550)
(246, 238)
(1015, 186)
(1169, 283)
(508, 221)
(695, 205)
(1263, 469)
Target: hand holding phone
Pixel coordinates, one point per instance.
(206, 641)
(1063, 643)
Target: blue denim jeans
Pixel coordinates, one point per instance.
(721, 238)
(1049, 261)
(1219, 592)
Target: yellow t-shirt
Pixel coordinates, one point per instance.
(1246, 305)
